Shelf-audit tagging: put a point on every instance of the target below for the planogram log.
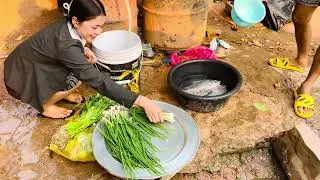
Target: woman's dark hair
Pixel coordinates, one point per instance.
(85, 10)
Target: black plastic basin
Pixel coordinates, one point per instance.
(204, 69)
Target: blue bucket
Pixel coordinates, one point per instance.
(246, 13)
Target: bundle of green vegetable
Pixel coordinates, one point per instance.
(128, 135)
(88, 114)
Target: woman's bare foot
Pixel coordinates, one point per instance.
(74, 98)
(56, 112)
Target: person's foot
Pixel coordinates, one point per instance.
(56, 112)
(74, 98)
(301, 62)
(303, 89)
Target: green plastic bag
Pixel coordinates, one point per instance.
(78, 148)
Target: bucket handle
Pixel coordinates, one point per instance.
(141, 61)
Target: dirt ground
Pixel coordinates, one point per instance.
(232, 139)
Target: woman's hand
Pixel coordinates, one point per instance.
(91, 58)
(152, 110)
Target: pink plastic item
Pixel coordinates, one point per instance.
(192, 54)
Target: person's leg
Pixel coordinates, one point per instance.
(314, 73)
(301, 18)
(54, 111)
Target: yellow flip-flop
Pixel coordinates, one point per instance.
(284, 63)
(304, 101)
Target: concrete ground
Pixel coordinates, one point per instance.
(236, 136)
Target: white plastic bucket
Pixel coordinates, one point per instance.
(116, 52)
(117, 47)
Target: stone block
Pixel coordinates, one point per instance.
(299, 152)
